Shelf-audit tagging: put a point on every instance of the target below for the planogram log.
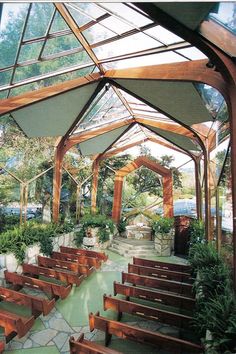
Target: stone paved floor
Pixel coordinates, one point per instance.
(51, 333)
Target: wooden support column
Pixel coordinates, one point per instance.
(168, 196)
(57, 176)
(95, 170)
(198, 188)
(117, 199)
(232, 112)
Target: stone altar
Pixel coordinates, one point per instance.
(139, 228)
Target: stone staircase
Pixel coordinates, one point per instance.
(133, 248)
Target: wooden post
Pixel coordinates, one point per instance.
(25, 201)
(198, 188)
(117, 199)
(168, 196)
(21, 201)
(218, 220)
(94, 188)
(57, 176)
(78, 202)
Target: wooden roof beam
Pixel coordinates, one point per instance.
(26, 99)
(61, 8)
(193, 71)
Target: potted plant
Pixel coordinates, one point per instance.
(163, 229)
(95, 230)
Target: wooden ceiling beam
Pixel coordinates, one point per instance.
(26, 99)
(193, 71)
(77, 32)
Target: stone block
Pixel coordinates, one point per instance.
(2, 260)
(11, 262)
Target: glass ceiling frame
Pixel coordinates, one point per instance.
(84, 45)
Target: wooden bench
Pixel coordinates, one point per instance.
(181, 302)
(65, 265)
(162, 265)
(55, 290)
(151, 313)
(89, 261)
(2, 347)
(151, 282)
(125, 331)
(36, 304)
(160, 273)
(14, 324)
(83, 346)
(94, 254)
(63, 276)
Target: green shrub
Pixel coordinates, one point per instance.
(196, 232)
(163, 225)
(121, 226)
(203, 255)
(104, 224)
(17, 239)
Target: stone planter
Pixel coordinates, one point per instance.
(9, 262)
(163, 243)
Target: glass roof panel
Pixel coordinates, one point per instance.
(80, 18)
(30, 51)
(5, 77)
(90, 9)
(225, 15)
(60, 44)
(9, 43)
(105, 108)
(192, 53)
(127, 13)
(116, 25)
(212, 98)
(163, 35)
(42, 68)
(51, 81)
(40, 16)
(97, 33)
(131, 44)
(145, 60)
(58, 24)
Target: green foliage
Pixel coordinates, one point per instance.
(203, 255)
(216, 305)
(121, 226)
(196, 232)
(79, 235)
(8, 221)
(163, 225)
(17, 239)
(104, 224)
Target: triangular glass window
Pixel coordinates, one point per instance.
(39, 19)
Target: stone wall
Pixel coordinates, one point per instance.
(9, 262)
(164, 243)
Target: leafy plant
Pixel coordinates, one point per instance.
(163, 225)
(203, 255)
(17, 239)
(122, 225)
(196, 232)
(79, 235)
(104, 224)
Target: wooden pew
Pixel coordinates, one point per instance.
(89, 261)
(2, 347)
(67, 266)
(168, 299)
(151, 282)
(184, 268)
(151, 313)
(125, 331)
(94, 254)
(19, 281)
(160, 273)
(36, 304)
(83, 346)
(65, 277)
(14, 324)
